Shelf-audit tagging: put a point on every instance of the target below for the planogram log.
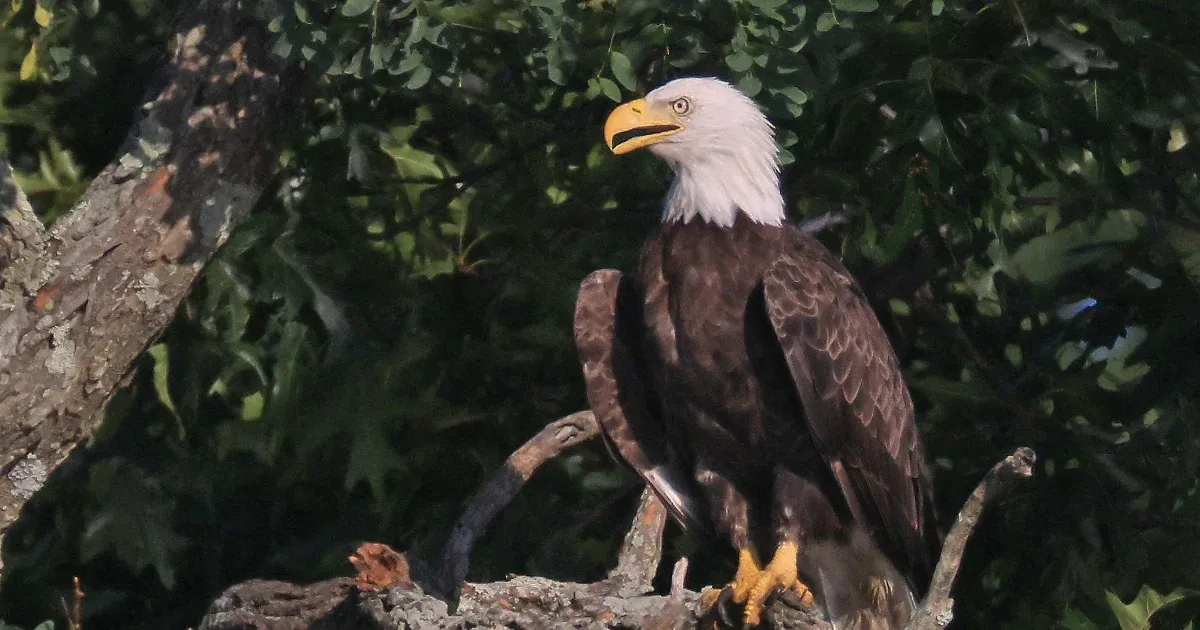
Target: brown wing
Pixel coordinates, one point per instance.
(855, 401)
(607, 335)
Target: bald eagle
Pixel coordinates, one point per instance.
(743, 375)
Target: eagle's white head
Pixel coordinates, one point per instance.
(719, 143)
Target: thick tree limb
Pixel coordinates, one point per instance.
(390, 595)
(81, 301)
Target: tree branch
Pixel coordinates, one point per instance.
(641, 550)
(938, 608)
(22, 236)
(500, 490)
(389, 594)
(82, 301)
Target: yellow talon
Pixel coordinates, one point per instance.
(780, 573)
(746, 577)
(747, 574)
(802, 593)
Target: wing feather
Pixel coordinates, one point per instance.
(607, 336)
(855, 400)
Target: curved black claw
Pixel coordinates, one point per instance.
(724, 603)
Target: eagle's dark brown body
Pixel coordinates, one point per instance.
(743, 374)
(725, 382)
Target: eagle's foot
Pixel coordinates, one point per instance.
(780, 574)
(737, 591)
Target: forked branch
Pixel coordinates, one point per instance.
(389, 596)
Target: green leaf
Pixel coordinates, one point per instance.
(29, 65)
(937, 6)
(1186, 244)
(554, 65)
(739, 61)
(794, 94)
(856, 6)
(41, 15)
(826, 21)
(372, 458)
(958, 392)
(1045, 259)
(252, 407)
(1178, 138)
(623, 70)
(419, 78)
(301, 12)
(767, 5)
(357, 7)
(908, 223)
(1137, 614)
(610, 89)
(160, 353)
(553, 6)
(750, 85)
(1075, 620)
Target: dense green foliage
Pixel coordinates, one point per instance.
(1020, 186)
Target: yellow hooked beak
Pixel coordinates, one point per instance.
(638, 124)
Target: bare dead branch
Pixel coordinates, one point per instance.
(826, 221)
(500, 490)
(623, 600)
(641, 550)
(938, 608)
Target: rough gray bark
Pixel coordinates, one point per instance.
(80, 301)
(393, 592)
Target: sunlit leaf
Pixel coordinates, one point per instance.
(252, 407)
(1137, 614)
(41, 15)
(826, 21)
(29, 65)
(357, 7)
(856, 6)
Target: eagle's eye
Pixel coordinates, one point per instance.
(681, 106)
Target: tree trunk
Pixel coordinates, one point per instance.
(79, 302)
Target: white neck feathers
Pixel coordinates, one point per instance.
(716, 189)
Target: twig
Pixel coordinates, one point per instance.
(641, 551)
(74, 612)
(500, 490)
(938, 608)
(823, 222)
(675, 615)
(678, 576)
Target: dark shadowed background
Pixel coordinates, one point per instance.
(1019, 187)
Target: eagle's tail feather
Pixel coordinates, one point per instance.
(858, 587)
